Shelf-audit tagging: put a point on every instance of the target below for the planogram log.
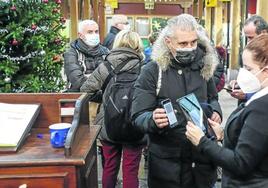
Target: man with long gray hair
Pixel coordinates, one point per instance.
(183, 63)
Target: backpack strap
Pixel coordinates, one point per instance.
(108, 65)
(159, 80)
(112, 71)
(81, 59)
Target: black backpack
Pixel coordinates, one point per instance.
(117, 99)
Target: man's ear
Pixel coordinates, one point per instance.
(167, 41)
(80, 35)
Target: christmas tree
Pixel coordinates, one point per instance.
(31, 46)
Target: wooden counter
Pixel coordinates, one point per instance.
(37, 164)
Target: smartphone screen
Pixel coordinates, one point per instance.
(167, 105)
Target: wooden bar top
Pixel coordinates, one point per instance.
(37, 150)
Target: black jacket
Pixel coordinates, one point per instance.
(244, 157)
(168, 143)
(109, 39)
(76, 71)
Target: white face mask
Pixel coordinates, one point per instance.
(92, 39)
(248, 82)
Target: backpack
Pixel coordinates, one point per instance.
(117, 100)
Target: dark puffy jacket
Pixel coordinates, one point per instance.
(167, 143)
(109, 39)
(76, 69)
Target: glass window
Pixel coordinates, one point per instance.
(130, 21)
(143, 26)
(108, 24)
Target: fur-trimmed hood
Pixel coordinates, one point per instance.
(161, 55)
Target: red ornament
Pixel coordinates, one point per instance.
(56, 59)
(57, 41)
(45, 1)
(58, 1)
(13, 8)
(55, 10)
(14, 42)
(34, 27)
(62, 20)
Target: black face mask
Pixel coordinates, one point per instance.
(185, 56)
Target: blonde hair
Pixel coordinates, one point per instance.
(129, 39)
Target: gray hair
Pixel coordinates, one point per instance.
(259, 22)
(118, 18)
(184, 22)
(83, 23)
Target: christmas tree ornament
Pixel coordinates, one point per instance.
(55, 10)
(34, 27)
(58, 1)
(43, 52)
(13, 8)
(57, 41)
(7, 80)
(14, 42)
(62, 20)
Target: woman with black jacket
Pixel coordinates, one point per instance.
(244, 155)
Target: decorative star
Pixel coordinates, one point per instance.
(156, 25)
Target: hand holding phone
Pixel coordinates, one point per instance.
(167, 105)
(228, 89)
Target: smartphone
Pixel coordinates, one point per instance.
(167, 105)
(228, 89)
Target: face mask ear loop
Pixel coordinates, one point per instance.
(176, 59)
(265, 80)
(260, 71)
